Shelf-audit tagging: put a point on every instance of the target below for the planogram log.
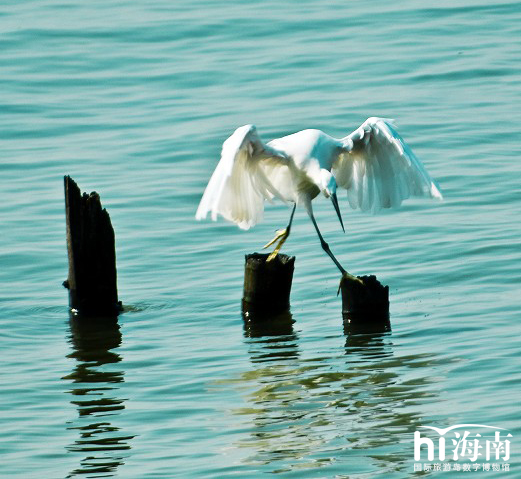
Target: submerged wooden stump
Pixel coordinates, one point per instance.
(267, 285)
(365, 307)
(92, 280)
(257, 324)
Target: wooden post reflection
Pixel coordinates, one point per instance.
(273, 334)
(95, 393)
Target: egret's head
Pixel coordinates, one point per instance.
(327, 183)
(328, 188)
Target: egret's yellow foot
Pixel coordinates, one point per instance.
(281, 237)
(346, 275)
(278, 236)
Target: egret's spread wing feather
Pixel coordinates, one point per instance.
(378, 168)
(279, 174)
(239, 185)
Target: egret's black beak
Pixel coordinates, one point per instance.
(334, 200)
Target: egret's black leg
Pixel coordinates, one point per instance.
(324, 245)
(288, 228)
(281, 236)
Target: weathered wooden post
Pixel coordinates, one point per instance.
(257, 325)
(365, 307)
(92, 280)
(267, 285)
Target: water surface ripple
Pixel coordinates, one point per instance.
(133, 100)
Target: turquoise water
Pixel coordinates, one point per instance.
(133, 100)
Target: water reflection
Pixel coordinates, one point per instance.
(95, 394)
(377, 345)
(366, 323)
(324, 408)
(273, 337)
(382, 398)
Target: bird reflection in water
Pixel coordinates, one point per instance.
(385, 398)
(95, 390)
(314, 409)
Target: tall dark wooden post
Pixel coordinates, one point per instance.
(267, 285)
(365, 307)
(92, 280)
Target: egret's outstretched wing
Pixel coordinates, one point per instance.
(239, 185)
(379, 170)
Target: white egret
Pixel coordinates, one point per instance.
(374, 164)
